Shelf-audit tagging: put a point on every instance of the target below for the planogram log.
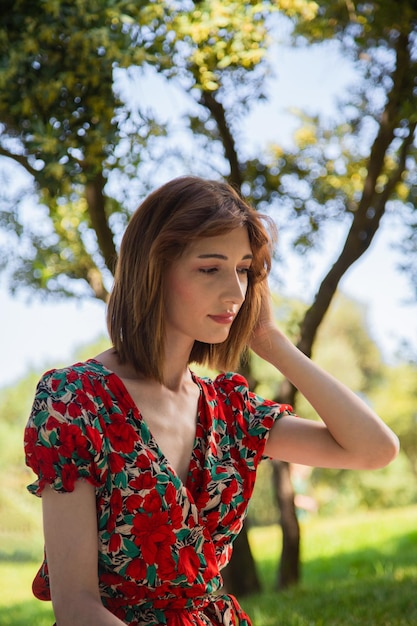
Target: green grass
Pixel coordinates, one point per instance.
(357, 571)
(360, 570)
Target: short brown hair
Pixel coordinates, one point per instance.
(169, 219)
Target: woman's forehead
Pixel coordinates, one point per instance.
(236, 241)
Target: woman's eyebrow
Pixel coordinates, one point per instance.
(214, 255)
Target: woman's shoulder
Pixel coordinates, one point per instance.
(82, 374)
(223, 385)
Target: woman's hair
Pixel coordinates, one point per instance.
(169, 219)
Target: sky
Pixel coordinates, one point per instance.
(36, 335)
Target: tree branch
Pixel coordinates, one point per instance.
(96, 209)
(19, 158)
(372, 205)
(370, 210)
(219, 114)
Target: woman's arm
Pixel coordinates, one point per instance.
(71, 540)
(350, 436)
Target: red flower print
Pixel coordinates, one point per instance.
(229, 492)
(84, 428)
(116, 501)
(203, 498)
(115, 543)
(143, 461)
(72, 376)
(31, 437)
(153, 532)
(152, 502)
(44, 462)
(144, 482)
(55, 383)
(211, 568)
(133, 503)
(83, 400)
(175, 514)
(232, 520)
(210, 392)
(165, 563)
(236, 399)
(115, 506)
(73, 441)
(213, 518)
(75, 409)
(94, 436)
(121, 435)
(52, 423)
(248, 486)
(188, 563)
(170, 494)
(69, 476)
(59, 407)
(136, 569)
(111, 579)
(116, 462)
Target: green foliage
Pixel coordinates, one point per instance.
(80, 136)
(396, 402)
(340, 490)
(64, 120)
(345, 348)
(222, 36)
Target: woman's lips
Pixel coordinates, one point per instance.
(226, 318)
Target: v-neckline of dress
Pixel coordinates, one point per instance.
(127, 397)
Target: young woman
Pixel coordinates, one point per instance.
(145, 470)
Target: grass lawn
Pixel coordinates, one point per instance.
(357, 571)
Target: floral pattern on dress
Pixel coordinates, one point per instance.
(162, 543)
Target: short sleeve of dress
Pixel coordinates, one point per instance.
(252, 416)
(63, 438)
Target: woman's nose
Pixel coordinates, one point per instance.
(235, 289)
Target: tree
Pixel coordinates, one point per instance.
(355, 170)
(63, 123)
(66, 125)
(63, 120)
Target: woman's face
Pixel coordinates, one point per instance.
(206, 286)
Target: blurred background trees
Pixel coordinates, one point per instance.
(83, 140)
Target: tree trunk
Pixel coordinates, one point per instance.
(289, 567)
(240, 576)
(365, 223)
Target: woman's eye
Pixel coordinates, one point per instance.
(208, 270)
(244, 270)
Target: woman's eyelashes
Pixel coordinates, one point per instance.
(214, 270)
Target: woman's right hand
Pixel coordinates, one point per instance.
(260, 341)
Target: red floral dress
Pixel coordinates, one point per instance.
(162, 543)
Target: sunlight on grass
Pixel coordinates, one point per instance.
(17, 605)
(16, 580)
(356, 570)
